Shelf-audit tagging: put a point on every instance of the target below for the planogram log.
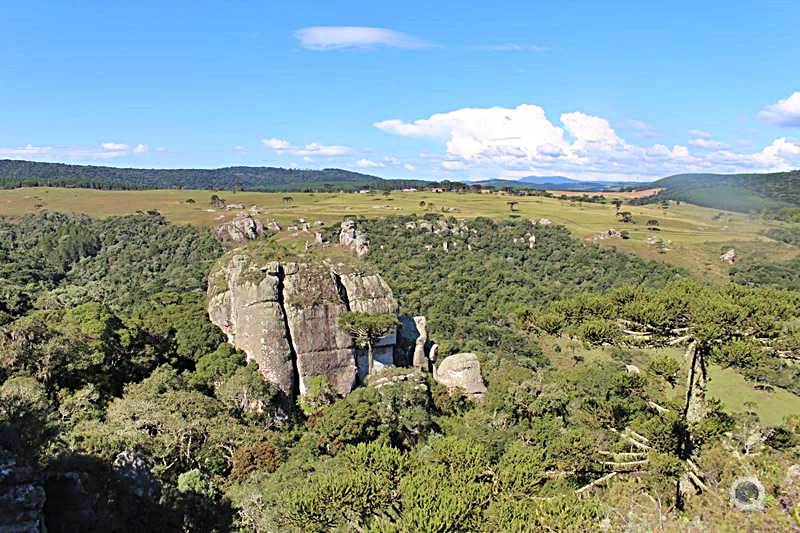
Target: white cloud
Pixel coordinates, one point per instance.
(116, 147)
(73, 153)
(409, 167)
(784, 112)
(368, 163)
(488, 141)
(24, 151)
(514, 47)
(311, 149)
(344, 37)
(700, 134)
(322, 150)
(708, 144)
(277, 144)
(453, 165)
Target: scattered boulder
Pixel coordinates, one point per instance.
(728, 257)
(351, 237)
(273, 226)
(606, 235)
(531, 241)
(461, 371)
(632, 369)
(242, 228)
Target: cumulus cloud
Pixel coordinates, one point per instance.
(283, 146)
(784, 112)
(514, 47)
(368, 163)
(525, 139)
(409, 167)
(140, 149)
(324, 38)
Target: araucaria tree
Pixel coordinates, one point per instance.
(366, 329)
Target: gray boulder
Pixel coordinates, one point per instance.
(242, 228)
(461, 371)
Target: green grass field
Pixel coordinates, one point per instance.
(694, 235)
(725, 384)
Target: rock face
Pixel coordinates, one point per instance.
(240, 229)
(22, 498)
(284, 317)
(462, 371)
(351, 237)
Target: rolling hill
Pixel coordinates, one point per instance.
(16, 173)
(733, 192)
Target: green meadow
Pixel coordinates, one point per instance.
(693, 237)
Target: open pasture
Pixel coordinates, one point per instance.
(688, 236)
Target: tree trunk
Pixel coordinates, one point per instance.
(369, 358)
(693, 412)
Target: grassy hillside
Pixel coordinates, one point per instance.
(29, 173)
(693, 236)
(735, 192)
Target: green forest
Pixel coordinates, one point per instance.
(777, 193)
(124, 398)
(17, 173)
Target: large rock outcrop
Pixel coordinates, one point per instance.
(284, 315)
(461, 371)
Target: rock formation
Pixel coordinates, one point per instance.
(461, 371)
(22, 498)
(351, 237)
(283, 315)
(242, 228)
(412, 340)
(728, 257)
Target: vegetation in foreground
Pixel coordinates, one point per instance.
(563, 440)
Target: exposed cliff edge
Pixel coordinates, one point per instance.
(283, 314)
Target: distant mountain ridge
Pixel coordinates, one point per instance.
(562, 183)
(17, 173)
(543, 180)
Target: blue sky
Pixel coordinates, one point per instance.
(456, 90)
